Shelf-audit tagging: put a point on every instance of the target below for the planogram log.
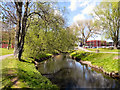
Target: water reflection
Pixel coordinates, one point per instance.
(68, 73)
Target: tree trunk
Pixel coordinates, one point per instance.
(115, 45)
(20, 51)
(9, 42)
(18, 28)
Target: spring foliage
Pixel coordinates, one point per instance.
(41, 40)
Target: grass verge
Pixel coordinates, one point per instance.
(107, 61)
(104, 50)
(17, 74)
(5, 51)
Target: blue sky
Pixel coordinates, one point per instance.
(80, 10)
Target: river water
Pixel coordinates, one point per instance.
(70, 74)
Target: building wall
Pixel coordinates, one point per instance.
(6, 45)
(96, 43)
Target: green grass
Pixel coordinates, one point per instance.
(45, 55)
(5, 51)
(104, 50)
(26, 74)
(104, 60)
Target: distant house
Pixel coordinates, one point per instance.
(96, 43)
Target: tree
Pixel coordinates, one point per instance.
(107, 14)
(19, 13)
(86, 29)
(41, 39)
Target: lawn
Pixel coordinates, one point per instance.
(18, 74)
(5, 51)
(104, 50)
(105, 60)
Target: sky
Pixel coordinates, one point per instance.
(80, 10)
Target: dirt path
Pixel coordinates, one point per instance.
(4, 56)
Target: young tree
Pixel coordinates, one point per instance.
(107, 15)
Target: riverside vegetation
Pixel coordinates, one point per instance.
(17, 74)
(108, 62)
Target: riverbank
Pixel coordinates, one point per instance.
(109, 64)
(22, 74)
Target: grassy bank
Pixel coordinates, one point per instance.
(5, 51)
(109, 62)
(104, 50)
(17, 74)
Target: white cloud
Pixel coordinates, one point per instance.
(79, 17)
(84, 3)
(88, 9)
(73, 5)
(88, 4)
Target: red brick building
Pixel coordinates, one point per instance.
(5, 44)
(96, 43)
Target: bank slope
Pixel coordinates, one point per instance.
(17, 74)
(108, 61)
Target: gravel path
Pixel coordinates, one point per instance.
(4, 56)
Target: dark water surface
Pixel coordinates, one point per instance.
(69, 74)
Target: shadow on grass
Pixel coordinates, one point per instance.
(7, 75)
(31, 79)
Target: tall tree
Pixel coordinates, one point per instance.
(85, 29)
(18, 13)
(53, 37)
(107, 15)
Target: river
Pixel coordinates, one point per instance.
(70, 74)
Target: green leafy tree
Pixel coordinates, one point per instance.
(107, 15)
(19, 14)
(85, 29)
(45, 37)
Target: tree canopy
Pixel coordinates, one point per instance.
(22, 13)
(42, 39)
(107, 14)
(85, 29)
